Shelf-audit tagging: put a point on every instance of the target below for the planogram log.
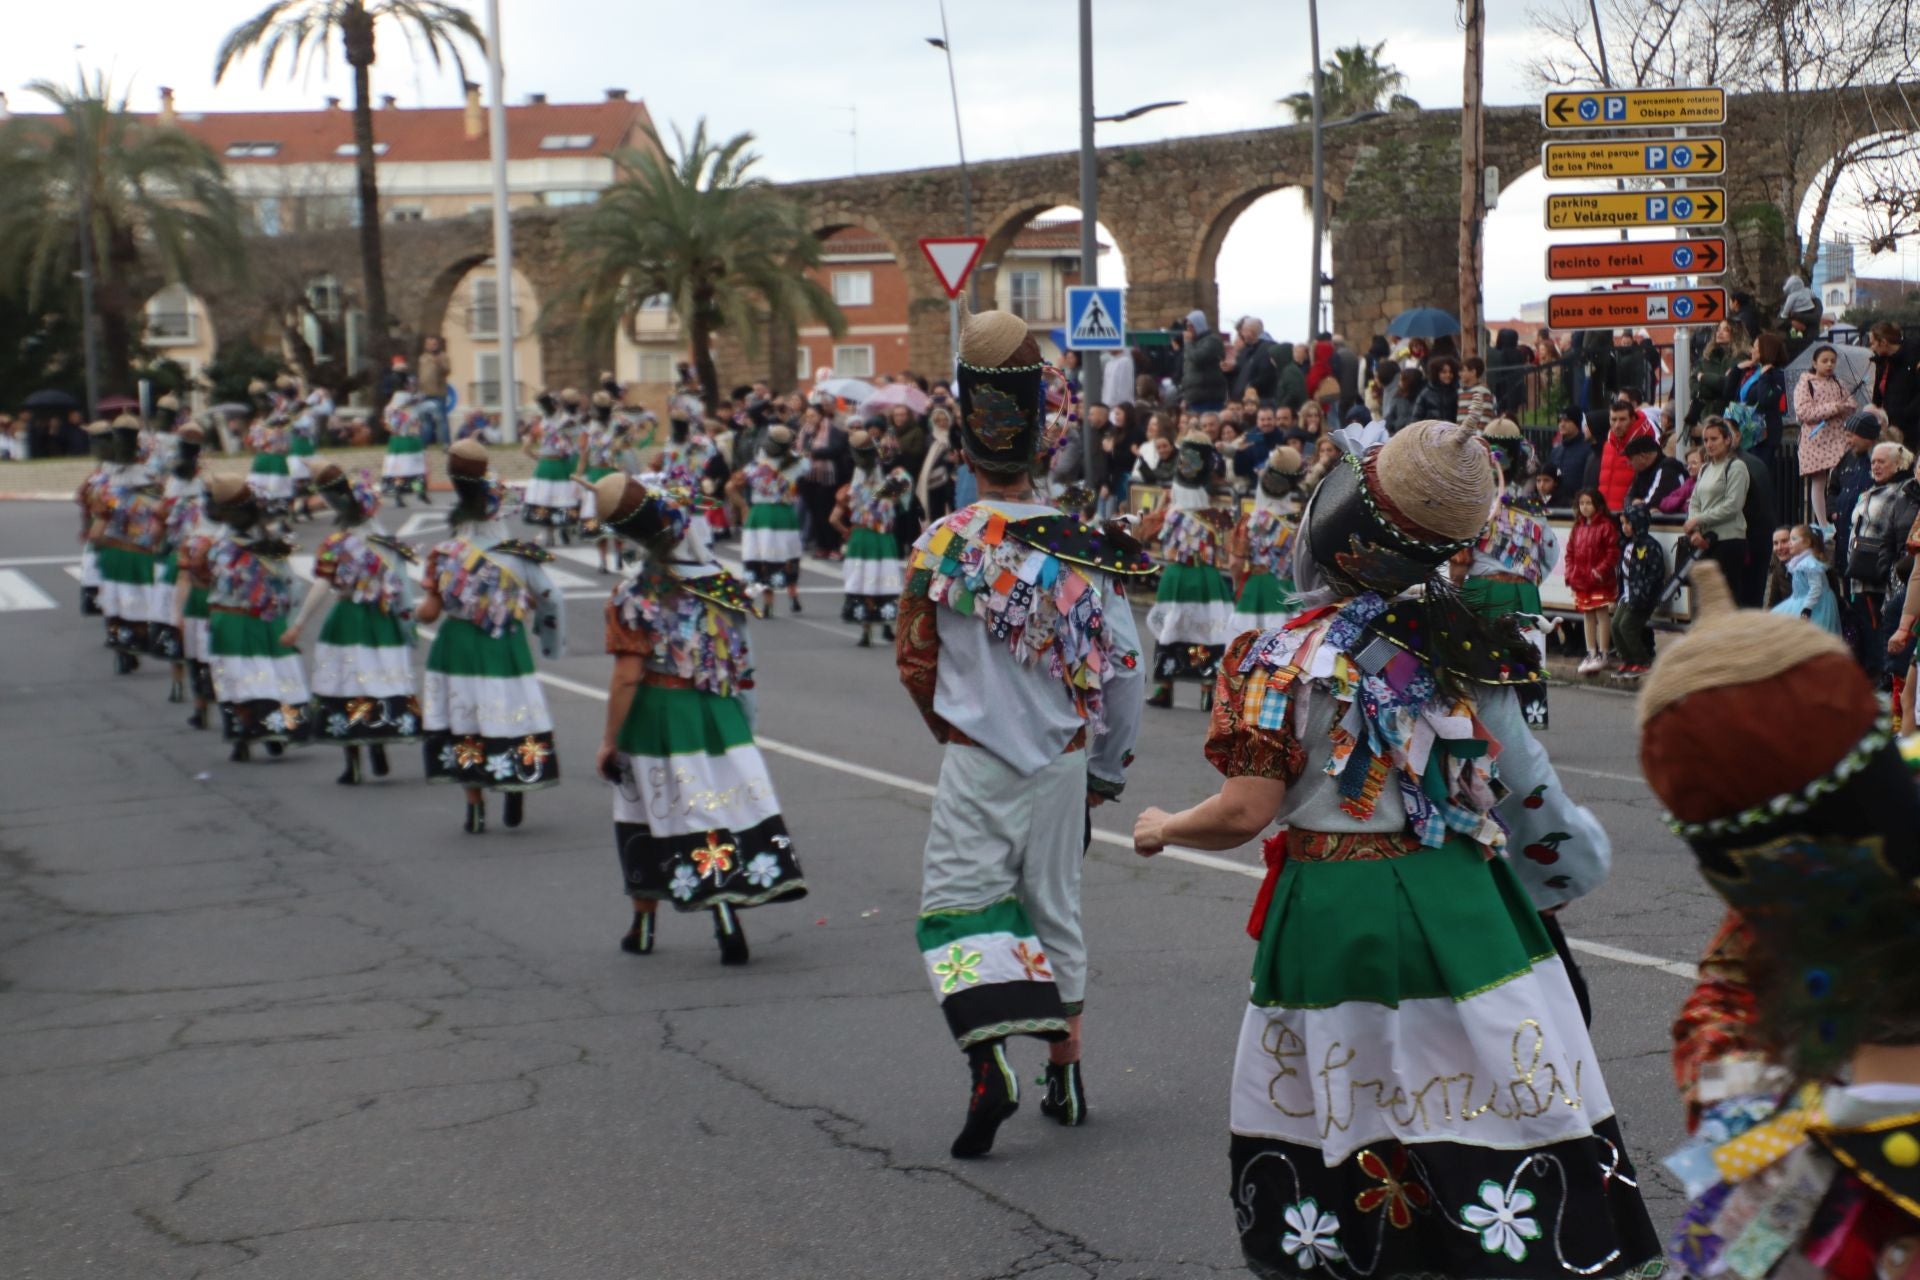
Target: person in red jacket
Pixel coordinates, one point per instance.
(1593, 554)
(1624, 425)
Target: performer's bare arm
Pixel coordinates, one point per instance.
(1238, 813)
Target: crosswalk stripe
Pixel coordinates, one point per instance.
(18, 594)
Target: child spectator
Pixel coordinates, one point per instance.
(1593, 555)
(1813, 595)
(1642, 574)
(1675, 503)
(1477, 406)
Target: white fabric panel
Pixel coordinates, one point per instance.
(362, 671)
(692, 794)
(491, 706)
(251, 679)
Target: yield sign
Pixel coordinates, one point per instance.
(953, 259)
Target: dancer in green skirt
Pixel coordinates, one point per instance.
(363, 685)
(551, 500)
(260, 683)
(864, 513)
(485, 719)
(404, 468)
(605, 450)
(1192, 614)
(128, 534)
(1414, 1092)
(1260, 549)
(770, 543)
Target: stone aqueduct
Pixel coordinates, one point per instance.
(1393, 193)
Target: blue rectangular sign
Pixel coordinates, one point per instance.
(1096, 318)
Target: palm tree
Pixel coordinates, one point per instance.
(720, 245)
(160, 206)
(304, 30)
(1352, 81)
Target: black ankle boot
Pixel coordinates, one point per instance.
(795, 602)
(378, 757)
(400, 500)
(240, 754)
(90, 602)
(476, 818)
(1066, 1098)
(177, 691)
(639, 939)
(1162, 697)
(993, 1094)
(351, 777)
(516, 808)
(886, 632)
(198, 720)
(727, 930)
(276, 749)
(865, 641)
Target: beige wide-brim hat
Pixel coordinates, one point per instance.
(467, 458)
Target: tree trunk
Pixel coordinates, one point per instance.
(357, 33)
(1473, 146)
(700, 339)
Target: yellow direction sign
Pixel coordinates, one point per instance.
(1701, 208)
(1642, 159)
(1624, 108)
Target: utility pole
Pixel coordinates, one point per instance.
(502, 226)
(1473, 188)
(84, 135)
(1319, 180)
(960, 141)
(1089, 238)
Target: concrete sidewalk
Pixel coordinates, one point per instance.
(56, 479)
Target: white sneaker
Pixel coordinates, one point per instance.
(1588, 665)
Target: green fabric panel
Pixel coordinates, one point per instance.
(269, 464)
(553, 469)
(1440, 923)
(1192, 584)
(940, 928)
(462, 649)
(772, 515)
(597, 474)
(1491, 599)
(169, 568)
(871, 544)
(196, 605)
(1264, 593)
(300, 446)
(350, 624)
(682, 722)
(406, 444)
(240, 635)
(132, 568)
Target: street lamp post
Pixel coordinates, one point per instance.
(1089, 238)
(945, 45)
(502, 225)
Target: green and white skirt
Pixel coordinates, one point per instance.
(270, 478)
(299, 449)
(1191, 621)
(126, 597)
(259, 682)
(870, 571)
(589, 503)
(695, 818)
(551, 498)
(403, 469)
(770, 543)
(363, 689)
(164, 640)
(196, 644)
(1415, 1091)
(484, 716)
(1265, 603)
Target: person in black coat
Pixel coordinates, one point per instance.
(1573, 455)
(1655, 475)
(1896, 376)
(1506, 373)
(1439, 400)
(1760, 382)
(1762, 513)
(1253, 363)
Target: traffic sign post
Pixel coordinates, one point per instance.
(953, 259)
(1597, 210)
(1605, 309)
(1631, 108)
(1096, 318)
(1615, 259)
(1639, 159)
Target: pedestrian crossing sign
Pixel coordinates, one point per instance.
(1096, 318)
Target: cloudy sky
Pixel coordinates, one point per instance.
(830, 86)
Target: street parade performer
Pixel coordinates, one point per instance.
(1514, 555)
(403, 469)
(1813, 840)
(260, 684)
(363, 685)
(1414, 1090)
(551, 500)
(128, 533)
(864, 513)
(485, 719)
(1192, 615)
(770, 541)
(1260, 548)
(605, 450)
(695, 818)
(270, 478)
(1018, 647)
(86, 497)
(191, 534)
(185, 491)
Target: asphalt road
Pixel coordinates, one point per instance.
(255, 1024)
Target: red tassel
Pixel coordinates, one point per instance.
(1274, 850)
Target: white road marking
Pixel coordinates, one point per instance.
(18, 594)
(1600, 773)
(26, 560)
(1194, 856)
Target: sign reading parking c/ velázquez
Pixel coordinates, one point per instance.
(1639, 159)
(1704, 207)
(1628, 108)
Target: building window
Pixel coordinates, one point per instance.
(803, 365)
(566, 142)
(252, 150)
(1023, 295)
(656, 366)
(323, 297)
(657, 302)
(483, 308)
(853, 362)
(559, 199)
(485, 391)
(353, 149)
(266, 215)
(406, 213)
(170, 317)
(853, 288)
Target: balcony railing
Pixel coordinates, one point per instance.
(486, 394)
(483, 322)
(170, 328)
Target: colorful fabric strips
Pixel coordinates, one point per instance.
(1045, 609)
(477, 588)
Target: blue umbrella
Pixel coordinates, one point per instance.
(1423, 322)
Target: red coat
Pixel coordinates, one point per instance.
(1593, 555)
(1616, 473)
